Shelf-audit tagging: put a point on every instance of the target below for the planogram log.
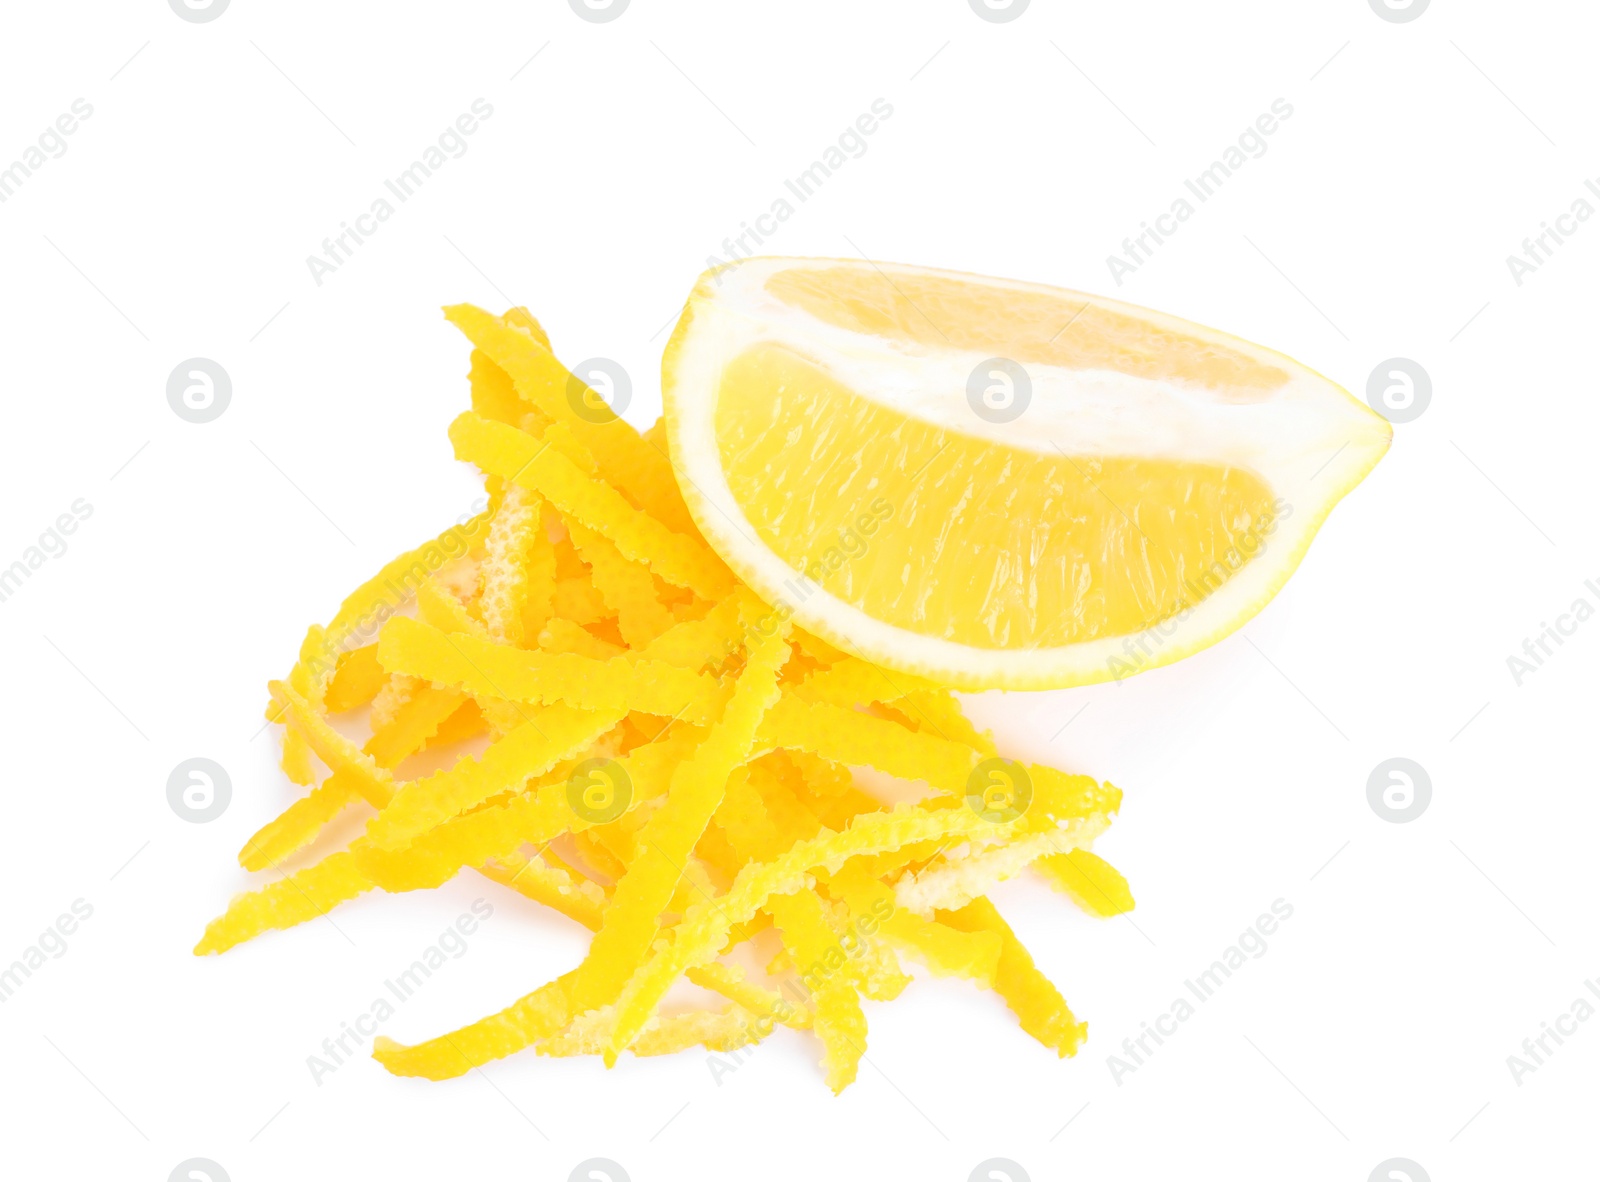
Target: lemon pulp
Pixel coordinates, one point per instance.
(967, 540)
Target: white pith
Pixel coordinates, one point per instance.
(1309, 440)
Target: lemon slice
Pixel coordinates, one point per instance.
(994, 483)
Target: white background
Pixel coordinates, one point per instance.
(220, 155)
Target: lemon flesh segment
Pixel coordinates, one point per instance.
(1152, 488)
(982, 544)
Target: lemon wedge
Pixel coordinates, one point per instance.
(997, 484)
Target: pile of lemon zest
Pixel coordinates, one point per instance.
(583, 617)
